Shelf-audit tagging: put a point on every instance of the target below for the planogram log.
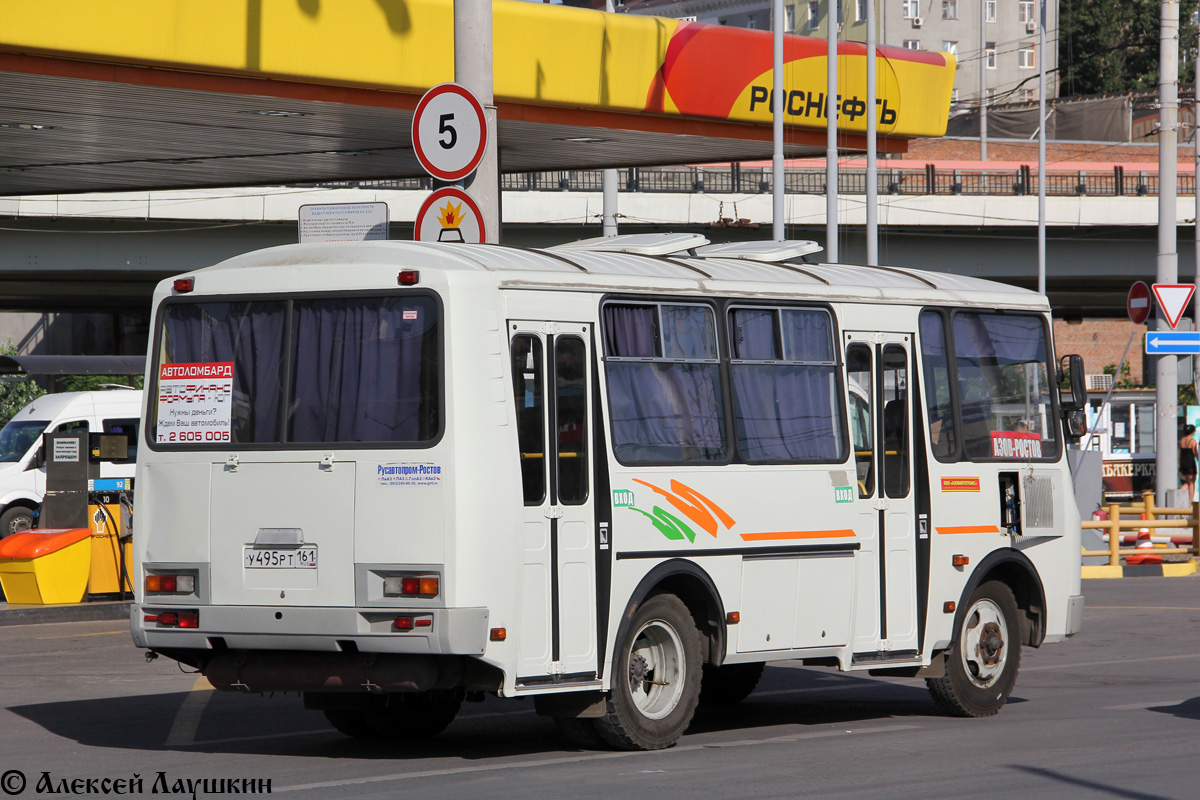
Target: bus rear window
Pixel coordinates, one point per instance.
(299, 372)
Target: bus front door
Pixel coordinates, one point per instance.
(878, 379)
(552, 390)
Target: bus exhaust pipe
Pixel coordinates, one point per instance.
(329, 672)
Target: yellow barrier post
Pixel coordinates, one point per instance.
(1114, 535)
(1195, 526)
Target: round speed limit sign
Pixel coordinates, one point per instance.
(449, 132)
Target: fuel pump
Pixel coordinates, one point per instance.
(78, 497)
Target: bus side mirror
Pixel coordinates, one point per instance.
(1071, 373)
(1075, 422)
(39, 459)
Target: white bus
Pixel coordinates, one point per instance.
(617, 476)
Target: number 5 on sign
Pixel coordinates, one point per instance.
(449, 132)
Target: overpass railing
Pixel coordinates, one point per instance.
(928, 179)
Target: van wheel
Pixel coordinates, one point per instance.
(14, 520)
(417, 715)
(656, 678)
(982, 663)
(352, 723)
(729, 684)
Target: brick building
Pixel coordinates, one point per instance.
(1101, 342)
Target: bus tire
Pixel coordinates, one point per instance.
(417, 715)
(656, 677)
(729, 684)
(982, 662)
(354, 724)
(14, 520)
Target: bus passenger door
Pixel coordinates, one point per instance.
(552, 392)
(877, 380)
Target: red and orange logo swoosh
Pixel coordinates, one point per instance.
(709, 517)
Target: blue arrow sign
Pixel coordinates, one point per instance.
(1173, 342)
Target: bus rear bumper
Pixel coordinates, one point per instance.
(449, 631)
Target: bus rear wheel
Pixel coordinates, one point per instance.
(415, 716)
(982, 663)
(656, 677)
(352, 723)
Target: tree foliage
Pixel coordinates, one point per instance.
(1111, 46)
(15, 394)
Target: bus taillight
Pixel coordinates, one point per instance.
(171, 584)
(411, 586)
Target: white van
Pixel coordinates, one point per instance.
(23, 478)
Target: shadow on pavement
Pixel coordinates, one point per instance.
(221, 722)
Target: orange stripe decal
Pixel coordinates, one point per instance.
(970, 529)
(778, 535)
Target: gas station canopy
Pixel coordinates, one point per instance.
(149, 94)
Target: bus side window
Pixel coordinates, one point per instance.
(531, 416)
(862, 426)
(895, 421)
(570, 416)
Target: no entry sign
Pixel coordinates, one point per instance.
(1138, 303)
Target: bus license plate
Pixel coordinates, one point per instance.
(281, 557)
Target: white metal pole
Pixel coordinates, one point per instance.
(831, 114)
(473, 70)
(1041, 57)
(608, 180)
(780, 102)
(872, 124)
(983, 98)
(1166, 458)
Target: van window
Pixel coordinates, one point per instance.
(18, 436)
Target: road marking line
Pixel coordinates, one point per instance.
(75, 635)
(550, 762)
(1105, 663)
(1143, 608)
(1145, 705)
(187, 719)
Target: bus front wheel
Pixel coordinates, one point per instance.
(982, 663)
(656, 677)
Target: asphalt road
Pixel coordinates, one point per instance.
(1112, 713)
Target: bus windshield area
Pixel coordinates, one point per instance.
(18, 436)
(988, 390)
(302, 371)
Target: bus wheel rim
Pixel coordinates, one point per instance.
(984, 643)
(656, 669)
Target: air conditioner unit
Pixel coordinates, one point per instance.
(917, 22)
(1031, 27)
(1099, 383)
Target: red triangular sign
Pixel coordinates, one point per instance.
(1173, 298)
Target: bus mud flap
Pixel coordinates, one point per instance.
(330, 672)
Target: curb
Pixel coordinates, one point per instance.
(1141, 571)
(11, 614)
